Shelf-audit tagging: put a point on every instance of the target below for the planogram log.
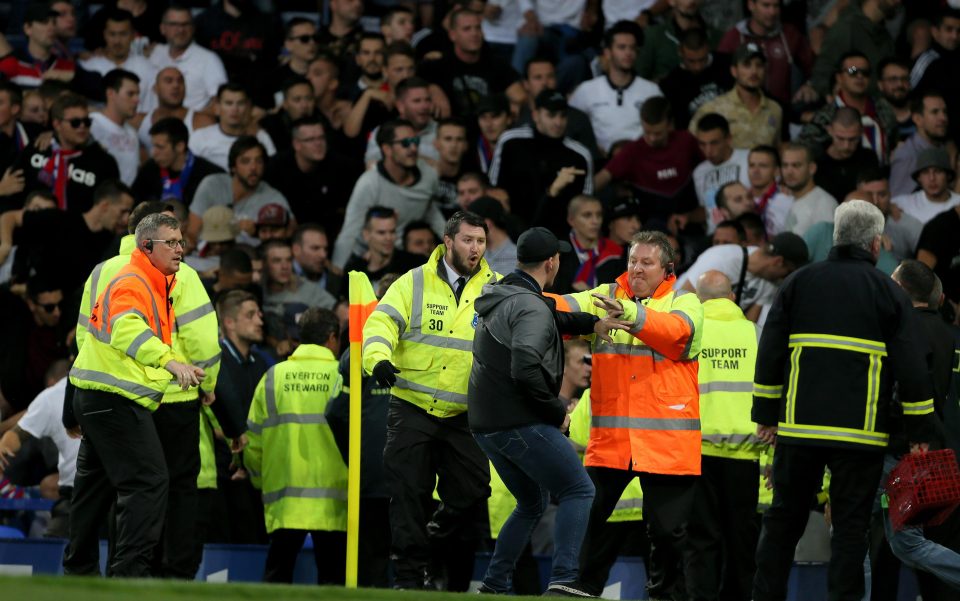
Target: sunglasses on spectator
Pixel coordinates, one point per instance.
(49, 307)
(172, 244)
(80, 121)
(854, 71)
(408, 142)
(303, 39)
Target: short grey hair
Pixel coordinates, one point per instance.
(658, 239)
(147, 228)
(857, 223)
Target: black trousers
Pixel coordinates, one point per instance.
(422, 450)
(59, 525)
(120, 459)
(667, 501)
(374, 545)
(178, 426)
(797, 476)
(723, 531)
(615, 539)
(329, 552)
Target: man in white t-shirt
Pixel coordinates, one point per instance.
(213, 142)
(935, 175)
(723, 165)
(811, 203)
(118, 34)
(202, 69)
(43, 420)
(613, 101)
(112, 129)
(764, 268)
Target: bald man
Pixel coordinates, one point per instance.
(723, 531)
(170, 89)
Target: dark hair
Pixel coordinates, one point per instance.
(234, 260)
(452, 228)
(712, 122)
(294, 22)
(538, 58)
(808, 151)
(399, 47)
(242, 145)
(13, 90)
(117, 15)
(331, 60)
(392, 12)
(378, 212)
(177, 7)
(892, 60)
(850, 54)
(387, 131)
(144, 209)
(111, 190)
(656, 110)
(736, 226)
(454, 121)
(918, 98)
(410, 83)
(372, 35)
(620, 28)
(477, 176)
(752, 222)
(307, 121)
(767, 150)
(721, 196)
(38, 284)
(303, 228)
(41, 193)
(51, 89)
(414, 226)
(175, 130)
(846, 116)
(462, 11)
(291, 82)
(232, 86)
(694, 39)
(270, 244)
(229, 304)
(917, 280)
(114, 79)
(943, 14)
(872, 173)
(318, 325)
(65, 101)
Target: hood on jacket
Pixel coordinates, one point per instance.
(494, 294)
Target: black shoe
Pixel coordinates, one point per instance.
(567, 589)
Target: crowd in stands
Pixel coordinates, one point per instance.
(299, 140)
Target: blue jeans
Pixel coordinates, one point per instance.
(915, 550)
(535, 462)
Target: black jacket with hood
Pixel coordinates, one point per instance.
(518, 356)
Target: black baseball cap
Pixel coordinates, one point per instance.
(791, 247)
(496, 104)
(39, 11)
(748, 51)
(551, 100)
(539, 244)
(624, 207)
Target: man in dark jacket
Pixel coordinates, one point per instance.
(516, 416)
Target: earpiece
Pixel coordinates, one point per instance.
(148, 245)
(669, 268)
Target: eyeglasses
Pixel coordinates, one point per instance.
(303, 39)
(172, 244)
(854, 71)
(178, 24)
(408, 142)
(80, 121)
(49, 307)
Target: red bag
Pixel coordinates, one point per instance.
(923, 489)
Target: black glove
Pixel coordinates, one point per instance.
(385, 373)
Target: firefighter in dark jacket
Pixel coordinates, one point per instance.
(838, 336)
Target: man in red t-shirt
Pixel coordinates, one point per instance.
(660, 166)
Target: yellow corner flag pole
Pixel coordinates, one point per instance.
(362, 303)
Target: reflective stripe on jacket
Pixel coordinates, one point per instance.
(129, 339)
(292, 455)
(421, 329)
(727, 357)
(646, 410)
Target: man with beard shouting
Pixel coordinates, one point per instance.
(419, 343)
